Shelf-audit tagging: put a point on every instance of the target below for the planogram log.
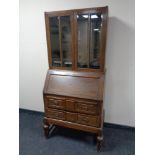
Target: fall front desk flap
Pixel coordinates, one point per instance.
(75, 84)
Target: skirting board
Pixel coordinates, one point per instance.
(107, 125)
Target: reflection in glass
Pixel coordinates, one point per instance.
(89, 31)
(95, 21)
(82, 33)
(66, 41)
(54, 36)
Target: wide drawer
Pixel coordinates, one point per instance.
(88, 120)
(86, 107)
(56, 114)
(58, 103)
(71, 117)
(70, 105)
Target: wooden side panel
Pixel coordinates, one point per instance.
(48, 40)
(104, 38)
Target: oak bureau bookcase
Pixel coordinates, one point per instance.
(73, 90)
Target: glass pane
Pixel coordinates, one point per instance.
(54, 35)
(95, 24)
(66, 41)
(83, 40)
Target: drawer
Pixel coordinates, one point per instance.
(71, 117)
(56, 114)
(88, 120)
(70, 105)
(56, 103)
(87, 108)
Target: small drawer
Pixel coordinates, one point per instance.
(56, 114)
(70, 105)
(88, 120)
(71, 117)
(87, 108)
(56, 103)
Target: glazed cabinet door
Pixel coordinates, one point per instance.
(76, 39)
(59, 37)
(55, 41)
(90, 29)
(66, 41)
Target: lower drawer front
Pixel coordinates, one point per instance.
(56, 114)
(88, 120)
(73, 117)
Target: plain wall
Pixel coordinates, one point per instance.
(119, 89)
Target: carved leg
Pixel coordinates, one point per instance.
(99, 140)
(46, 130)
